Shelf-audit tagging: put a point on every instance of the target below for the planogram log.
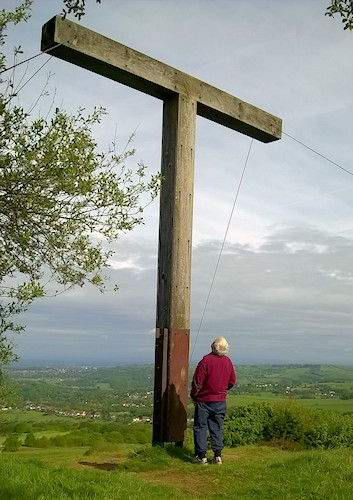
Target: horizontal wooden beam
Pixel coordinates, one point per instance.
(74, 43)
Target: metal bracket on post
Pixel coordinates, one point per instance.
(178, 361)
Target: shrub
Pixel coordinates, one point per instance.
(287, 421)
(94, 437)
(30, 440)
(137, 433)
(58, 440)
(42, 442)
(113, 437)
(33, 442)
(246, 424)
(331, 430)
(11, 444)
(22, 427)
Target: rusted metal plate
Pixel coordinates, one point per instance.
(171, 385)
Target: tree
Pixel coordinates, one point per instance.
(345, 9)
(342, 7)
(8, 391)
(11, 444)
(77, 7)
(30, 440)
(62, 201)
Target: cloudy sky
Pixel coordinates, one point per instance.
(283, 287)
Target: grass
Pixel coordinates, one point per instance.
(48, 434)
(112, 471)
(290, 475)
(74, 455)
(103, 386)
(53, 457)
(251, 472)
(243, 400)
(32, 416)
(339, 405)
(31, 480)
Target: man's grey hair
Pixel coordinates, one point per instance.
(220, 346)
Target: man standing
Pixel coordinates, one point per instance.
(213, 376)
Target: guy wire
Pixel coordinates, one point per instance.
(318, 153)
(222, 247)
(30, 58)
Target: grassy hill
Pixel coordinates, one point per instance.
(248, 472)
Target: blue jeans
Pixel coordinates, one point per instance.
(209, 415)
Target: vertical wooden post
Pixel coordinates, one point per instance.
(174, 269)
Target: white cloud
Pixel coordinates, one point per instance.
(124, 264)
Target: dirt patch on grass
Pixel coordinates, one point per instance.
(106, 463)
(101, 466)
(192, 485)
(191, 481)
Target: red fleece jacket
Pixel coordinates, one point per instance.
(213, 376)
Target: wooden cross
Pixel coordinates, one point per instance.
(183, 98)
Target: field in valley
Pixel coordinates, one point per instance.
(108, 455)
